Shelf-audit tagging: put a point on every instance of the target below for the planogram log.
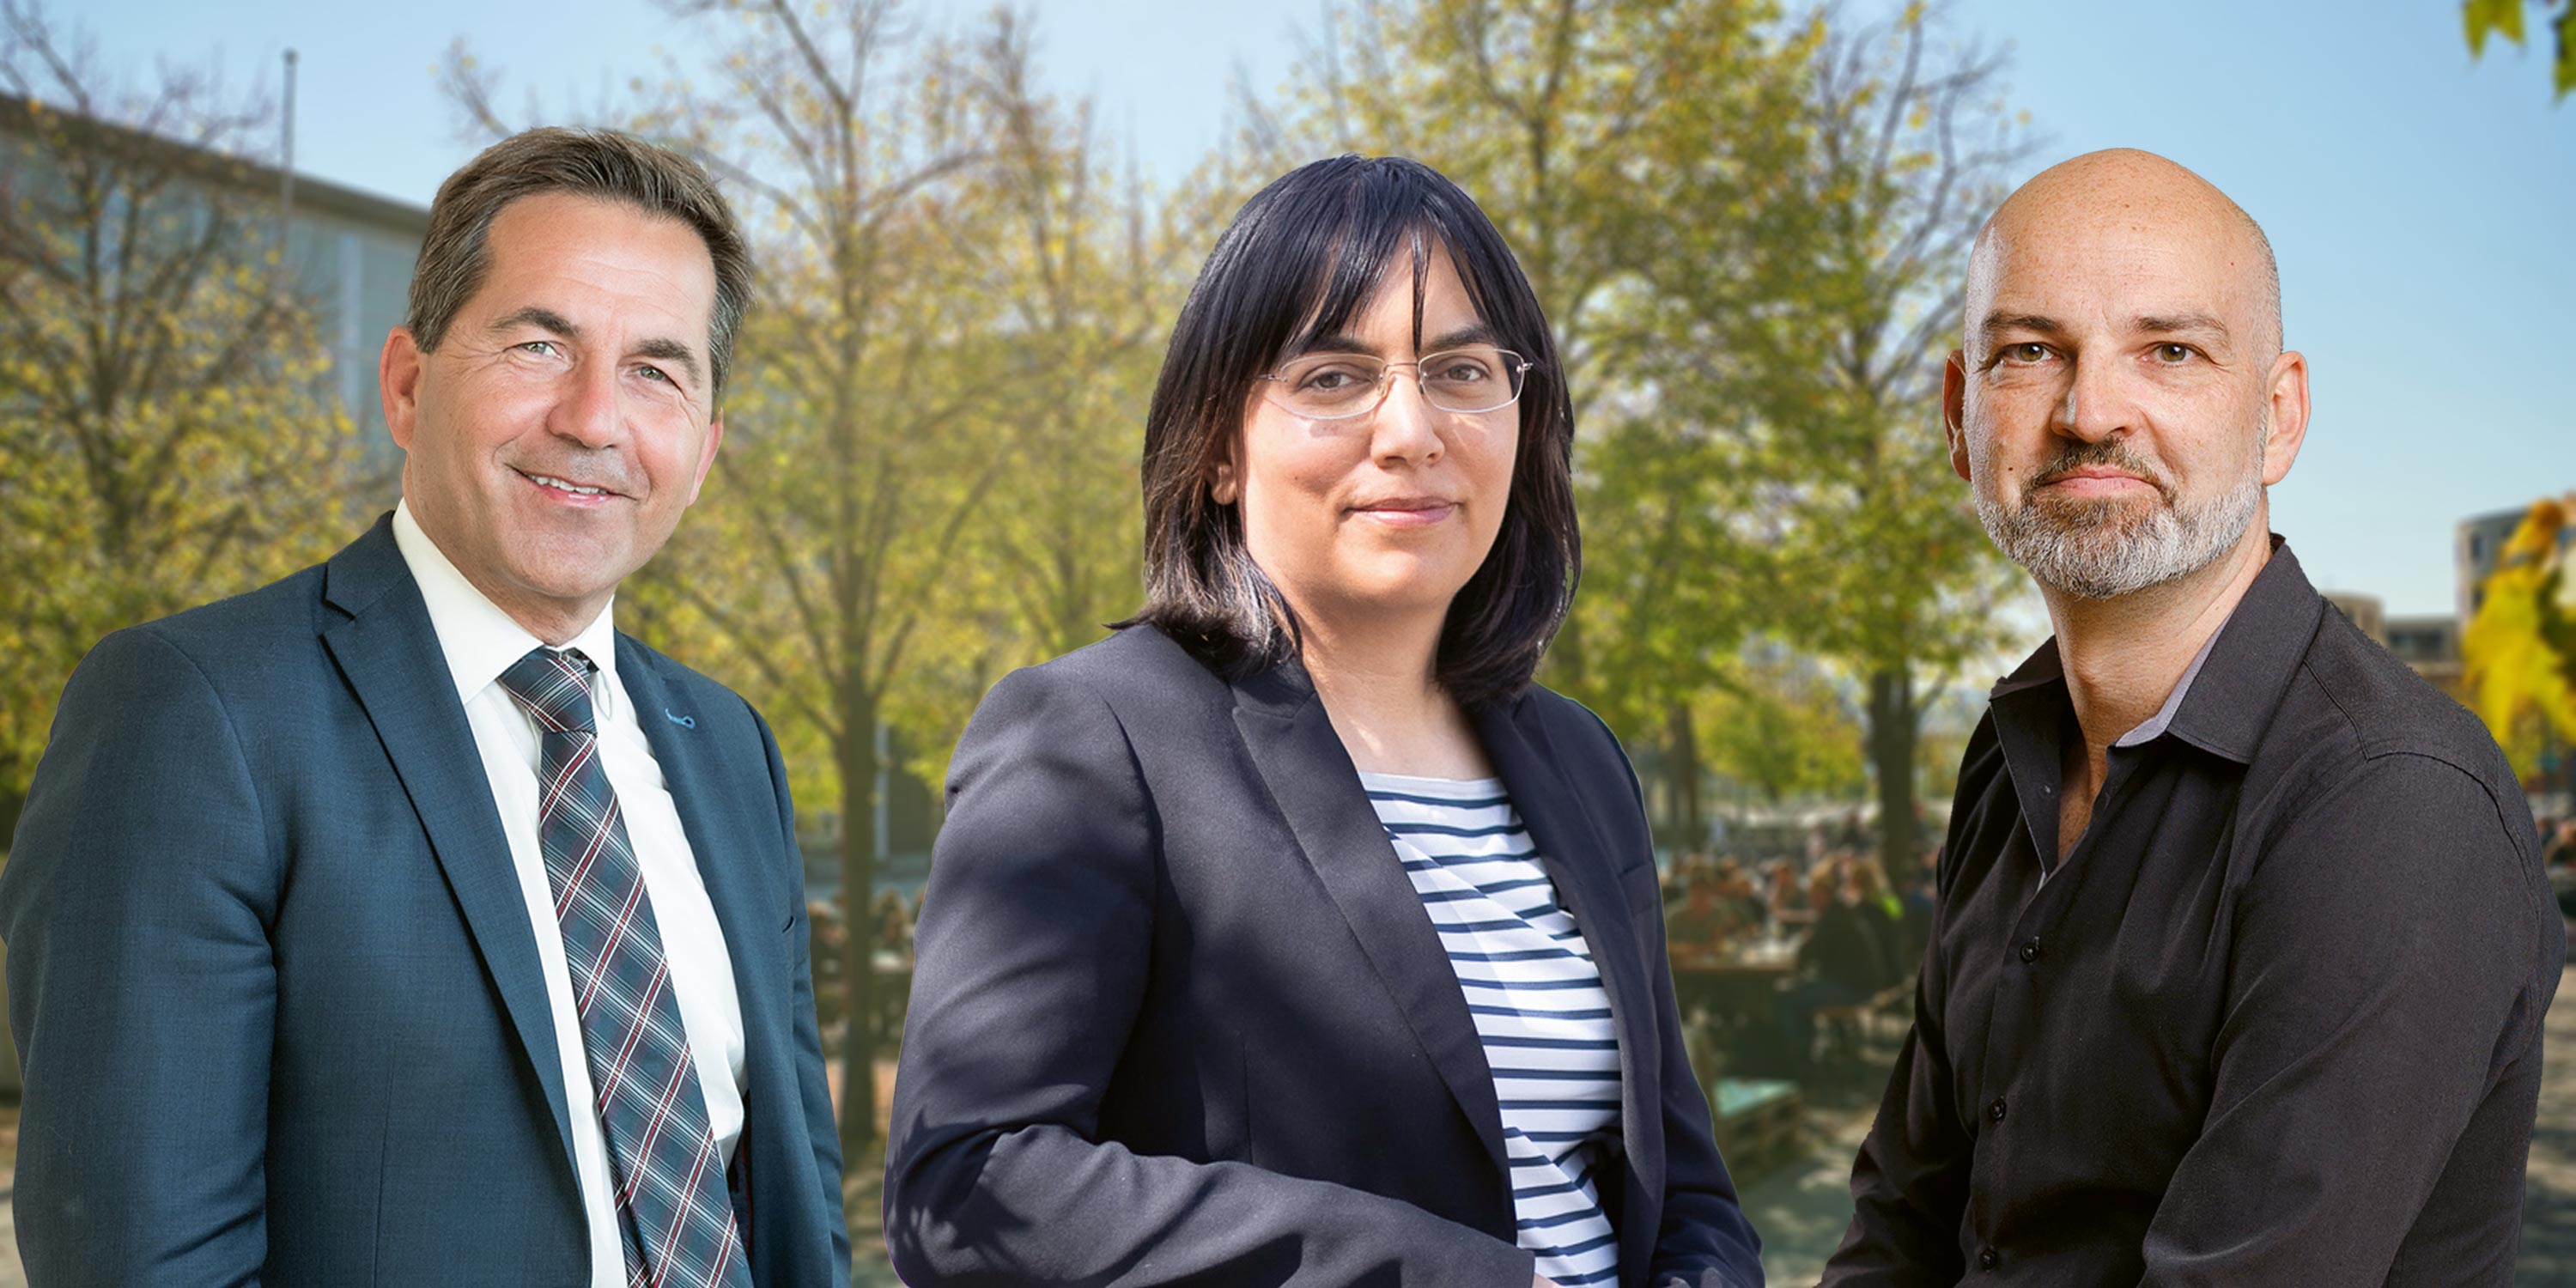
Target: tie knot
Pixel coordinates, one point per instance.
(554, 687)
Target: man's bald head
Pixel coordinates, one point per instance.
(2122, 399)
(2122, 197)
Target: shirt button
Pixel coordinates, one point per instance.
(1988, 1259)
(2030, 949)
(1995, 1111)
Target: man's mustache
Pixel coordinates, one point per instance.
(2108, 453)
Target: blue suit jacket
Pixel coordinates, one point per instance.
(274, 983)
(1178, 1016)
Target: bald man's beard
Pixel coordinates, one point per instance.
(2106, 547)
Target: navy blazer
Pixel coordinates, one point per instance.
(276, 988)
(1178, 1016)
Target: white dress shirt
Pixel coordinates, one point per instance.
(480, 642)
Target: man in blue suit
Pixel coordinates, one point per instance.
(401, 922)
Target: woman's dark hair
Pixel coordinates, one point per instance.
(1301, 259)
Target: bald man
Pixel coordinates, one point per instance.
(2243, 945)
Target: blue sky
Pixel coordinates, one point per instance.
(2420, 203)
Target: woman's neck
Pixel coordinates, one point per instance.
(1379, 686)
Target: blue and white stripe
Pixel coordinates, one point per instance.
(1537, 1001)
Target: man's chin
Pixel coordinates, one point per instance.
(2077, 518)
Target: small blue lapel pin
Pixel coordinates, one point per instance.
(685, 722)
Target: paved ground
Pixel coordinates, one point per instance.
(2549, 1188)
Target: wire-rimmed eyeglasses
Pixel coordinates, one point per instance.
(1337, 386)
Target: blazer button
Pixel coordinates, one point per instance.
(1995, 1111)
(1988, 1259)
(2030, 949)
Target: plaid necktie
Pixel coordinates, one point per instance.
(674, 1216)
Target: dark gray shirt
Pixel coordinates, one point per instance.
(2276, 1019)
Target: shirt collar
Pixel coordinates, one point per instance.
(2226, 697)
(2154, 726)
(479, 640)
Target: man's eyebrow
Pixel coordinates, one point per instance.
(540, 317)
(659, 349)
(1998, 323)
(2167, 324)
(666, 350)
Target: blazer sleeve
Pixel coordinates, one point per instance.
(1032, 959)
(142, 992)
(1704, 1240)
(812, 1086)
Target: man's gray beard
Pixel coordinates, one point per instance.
(2102, 549)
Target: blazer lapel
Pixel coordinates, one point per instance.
(1576, 857)
(1312, 780)
(388, 653)
(710, 804)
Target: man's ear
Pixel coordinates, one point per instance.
(706, 458)
(2288, 395)
(398, 371)
(1954, 410)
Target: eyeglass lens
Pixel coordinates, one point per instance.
(1329, 385)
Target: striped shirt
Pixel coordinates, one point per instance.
(1537, 1001)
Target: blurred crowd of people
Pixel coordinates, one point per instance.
(1839, 910)
(1826, 934)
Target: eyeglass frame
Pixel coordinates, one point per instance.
(1519, 368)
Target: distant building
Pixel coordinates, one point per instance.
(351, 252)
(2366, 612)
(2481, 540)
(2431, 645)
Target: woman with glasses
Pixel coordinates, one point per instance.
(1292, 935)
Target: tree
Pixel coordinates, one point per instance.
(1091, 268)
(1643, 159)
(1885, 567)
(167, 435)
(1750, 235)
(931, 435)
(1783, 730)
(2484, 18)
(2520, 649)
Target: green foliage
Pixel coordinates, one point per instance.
(1782, 729)
(2484, 18)
(928, 474)
(167, 433)
(1749, 231)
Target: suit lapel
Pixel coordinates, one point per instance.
(1311, 778)
(710, 804)
(1572, 849)
(389, 654)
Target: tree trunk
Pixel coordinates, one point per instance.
(858, 765)
(1892, 719)
(1681, 752)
